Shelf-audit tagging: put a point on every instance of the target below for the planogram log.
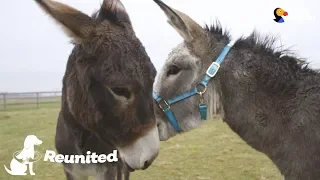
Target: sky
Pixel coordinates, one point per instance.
(35, 50)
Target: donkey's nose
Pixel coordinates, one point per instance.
(146, 165)
(146, 161)
(143, 151)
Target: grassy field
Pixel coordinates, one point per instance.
(212, 152)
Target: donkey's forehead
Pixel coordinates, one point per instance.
(131, 63)
(182, 57)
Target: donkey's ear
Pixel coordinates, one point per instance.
(114, 11)
(76, 24)
(186, 27)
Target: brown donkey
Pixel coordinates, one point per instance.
(107, 92)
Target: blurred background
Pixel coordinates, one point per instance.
(34, 51)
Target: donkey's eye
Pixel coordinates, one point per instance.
(173, 70)
(121, 91)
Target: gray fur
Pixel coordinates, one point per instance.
(269, 99)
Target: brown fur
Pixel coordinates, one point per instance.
(107, 63)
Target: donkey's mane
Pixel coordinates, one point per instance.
(267, 45)
(113, 15)
(216, 30)
(262, 45)
(292, 66)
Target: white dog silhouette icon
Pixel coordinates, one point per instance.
(19, 164)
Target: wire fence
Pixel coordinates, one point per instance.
(14, 101)
(52, 99)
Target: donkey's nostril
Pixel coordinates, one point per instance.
(146, 165)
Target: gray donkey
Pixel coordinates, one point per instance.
(107, 93)
(269, 99)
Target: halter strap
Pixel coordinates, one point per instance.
(164, 105)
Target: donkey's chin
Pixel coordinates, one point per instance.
(166, 130)
(142, 152)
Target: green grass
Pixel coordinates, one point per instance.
(212, 152)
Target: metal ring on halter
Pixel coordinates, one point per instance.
(204, 90)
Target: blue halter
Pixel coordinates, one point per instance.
(164, 105)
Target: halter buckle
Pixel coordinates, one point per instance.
(164, 106)
(213, 69)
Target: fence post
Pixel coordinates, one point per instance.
(37, 100)
(4, 101)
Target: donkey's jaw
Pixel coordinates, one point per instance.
(166, 130)
(143, 152)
